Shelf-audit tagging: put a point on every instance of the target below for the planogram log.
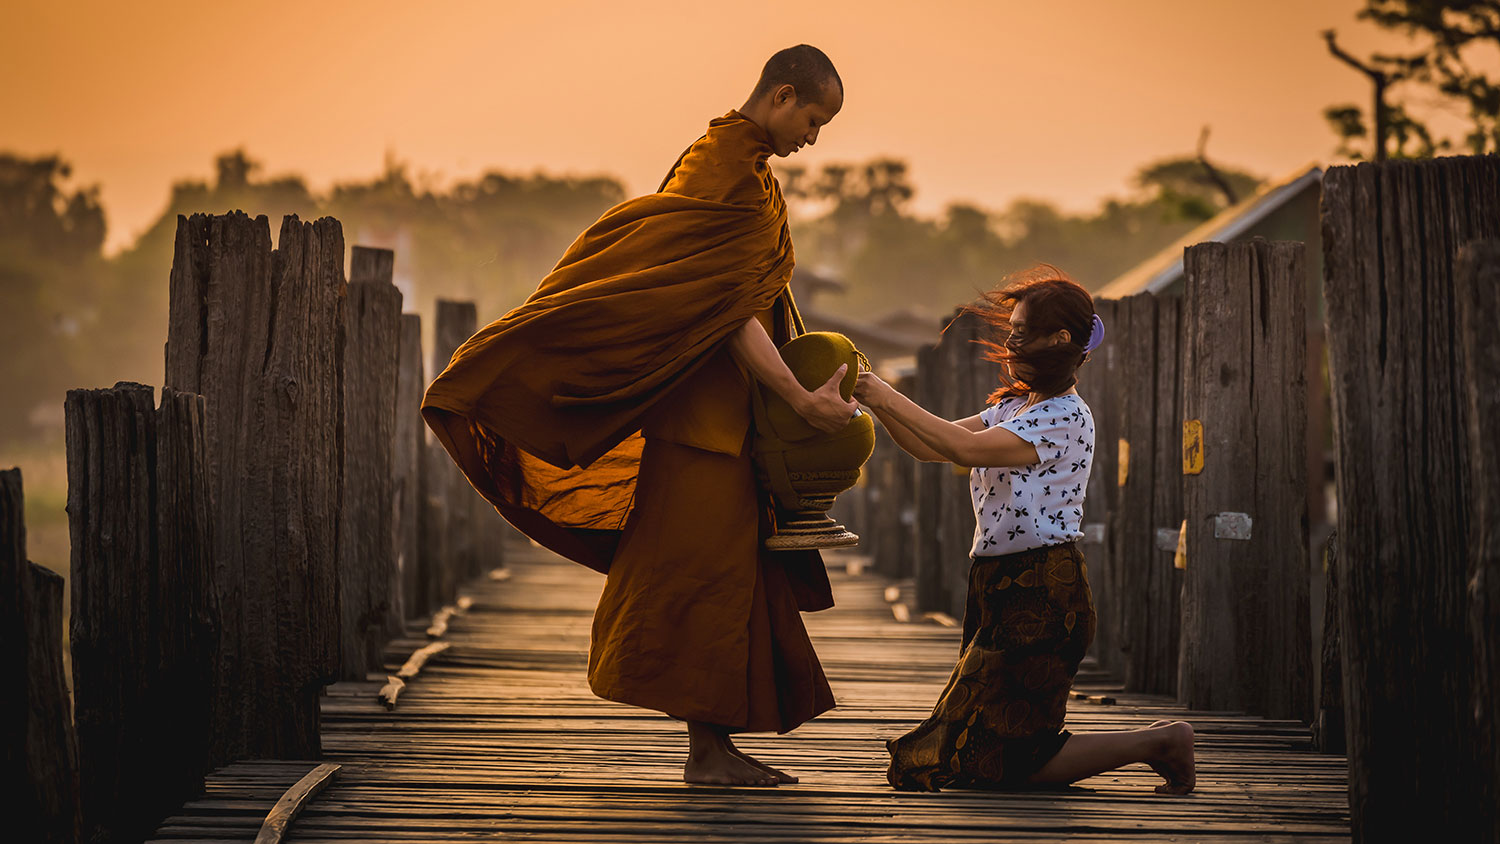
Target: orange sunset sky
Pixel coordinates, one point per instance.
(987, 101)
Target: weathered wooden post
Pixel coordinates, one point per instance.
(1246, 638)
(927, 560)
(1477, 287)
(1328, 723)
(38, 756)
(1099, 386)
(456, 322)
(1158, 673)
(406, 471)
(892, 500)
(956, 399)
(1148, 508)
(260, 335)
(368, 584)
(1406, 469)
(143, 613)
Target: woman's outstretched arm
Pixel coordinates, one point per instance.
(949, 441)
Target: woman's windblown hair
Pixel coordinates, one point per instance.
(1053, 302)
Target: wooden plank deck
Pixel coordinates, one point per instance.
(499, 738)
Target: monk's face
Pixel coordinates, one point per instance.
(794, 122)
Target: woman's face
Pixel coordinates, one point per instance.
(1022, 336)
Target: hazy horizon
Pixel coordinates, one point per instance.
(987, 102)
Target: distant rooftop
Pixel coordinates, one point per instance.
(1159, 271)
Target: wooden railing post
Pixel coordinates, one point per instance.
(456, 322)
(368, 584)
(411, 441)
(927, 561)
(143, 605)
(260, 335)
(38, 754)
(1148, 508)
(1405, 467)
(955, 400)
(1099, 385)
(1246, 638)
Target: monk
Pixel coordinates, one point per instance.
(609, 418)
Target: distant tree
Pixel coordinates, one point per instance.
(1447, 36)
(1187, 190)
(51, 241)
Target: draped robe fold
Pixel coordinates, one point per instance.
(543, 410)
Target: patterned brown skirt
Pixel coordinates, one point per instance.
(1029, 619)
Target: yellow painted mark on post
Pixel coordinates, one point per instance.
(1192, 446)
(1124, 461)
(1179, 560)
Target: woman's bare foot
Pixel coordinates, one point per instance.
(1174, 761)
(781, 776)
(714, 760)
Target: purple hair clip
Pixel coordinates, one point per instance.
(1096, 335)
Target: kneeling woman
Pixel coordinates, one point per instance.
(1030, 615)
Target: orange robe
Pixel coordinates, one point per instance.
(543, 411)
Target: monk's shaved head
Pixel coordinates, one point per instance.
(805, 68)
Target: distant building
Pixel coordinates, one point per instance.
(890, 340)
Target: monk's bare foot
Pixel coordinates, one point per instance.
(720, 766)
(714, 760)
(1174, 761)
(781, 776)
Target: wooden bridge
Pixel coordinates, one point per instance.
(247, 556)
(498, 737)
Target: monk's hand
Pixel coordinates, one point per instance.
(870, 390)
(825, 407)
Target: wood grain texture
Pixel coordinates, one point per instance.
(931, 586)
(1099, 385)
(1158, 670)
(406, 469)
(274, 828)
(1133, 550)
(499, 738)
(1400, 381)
(1328, 724)
(454, 323)
(1477, 283)
(260, 335)
(1246, 640)
(142, 628)
(957, 399)
(39, 756)
(368, 580)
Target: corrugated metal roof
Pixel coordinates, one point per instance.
(1160, 270)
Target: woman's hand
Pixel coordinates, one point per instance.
(825, 408)
(871, 391)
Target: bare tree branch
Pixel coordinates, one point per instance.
(1213, 174)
